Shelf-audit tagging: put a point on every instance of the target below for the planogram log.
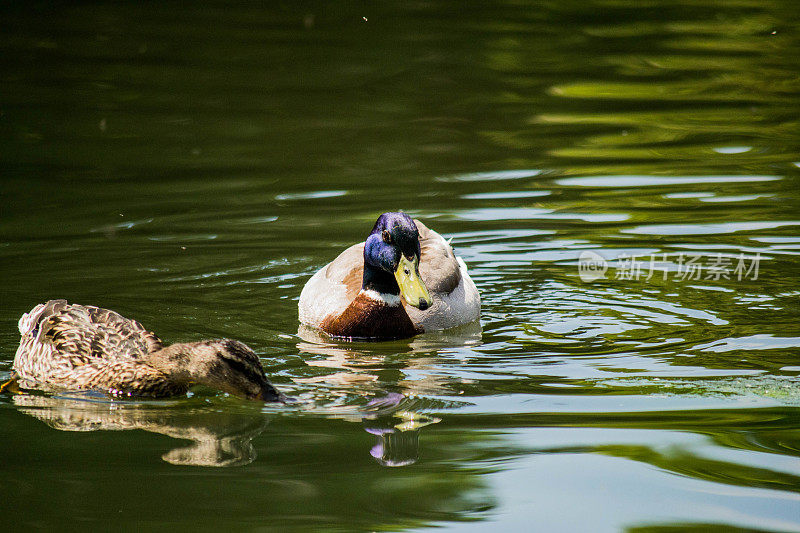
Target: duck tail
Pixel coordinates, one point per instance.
(30, 321)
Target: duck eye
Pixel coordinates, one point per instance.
(406, 271)
(387, 237)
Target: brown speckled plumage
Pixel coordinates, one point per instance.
(74, 347)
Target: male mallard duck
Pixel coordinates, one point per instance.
(358, 294)
(75, 347)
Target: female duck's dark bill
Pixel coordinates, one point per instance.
(268, 393)
(412, 288)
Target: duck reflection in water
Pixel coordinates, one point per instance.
(393, 418)
(216, 439)
(397, 434)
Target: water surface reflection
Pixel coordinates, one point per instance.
(216, 438)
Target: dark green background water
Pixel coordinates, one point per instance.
(192, 166)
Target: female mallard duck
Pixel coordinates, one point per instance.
(75, 347)
(358, 294)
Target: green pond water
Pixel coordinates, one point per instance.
(622, 178)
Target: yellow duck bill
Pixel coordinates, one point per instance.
(412, 288)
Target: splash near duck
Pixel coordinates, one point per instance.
(403, 280)
(71, 347)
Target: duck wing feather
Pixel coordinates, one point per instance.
(56, 333)
(93, 332)
(438, 265)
